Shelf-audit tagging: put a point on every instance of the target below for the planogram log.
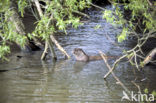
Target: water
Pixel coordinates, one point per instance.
(69, 81)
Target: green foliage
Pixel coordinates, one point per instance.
(138, 20)
(4, 4)
(141, 64)
(3, 51)
(108, 16)
(123, 35)
(97, 27)
(7, 32)
(154, 93)
(57, 15)
(141, 14)
(22, 4)
(61, 15)
(146, 90)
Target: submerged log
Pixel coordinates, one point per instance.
(150, 57)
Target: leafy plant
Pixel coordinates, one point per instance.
(57, 15)
(139, 23)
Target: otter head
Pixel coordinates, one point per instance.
(80, 55)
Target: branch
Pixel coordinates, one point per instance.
(38, 7)
(35, 15)
(58, 46)
(149, 3)
(150, 57)
(51, 45)
(45, 52)
(81, 13)
(137, 86)
(110, 69)
(118, 60)
(96, 6)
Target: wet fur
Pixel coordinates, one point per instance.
(80, 55)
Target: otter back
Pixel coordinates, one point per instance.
(95, 58)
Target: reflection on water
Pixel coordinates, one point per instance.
(68, 81)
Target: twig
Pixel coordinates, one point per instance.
(149, 3)
(96, 6)
(149, 57)
(45, 52)
(110, 69)
(35, 15)
(58, 46)
(118, 60)
(80, 13)
(51, 45)
(46, 42)
(135, 59)
(38, 7)
(137, 86)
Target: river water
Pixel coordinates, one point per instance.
(69, 81)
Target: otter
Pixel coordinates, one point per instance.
(80, 55)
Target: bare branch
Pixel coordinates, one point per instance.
(58, 46)
(110, 69)
(45, 52)
(115, 63)
(149, 57)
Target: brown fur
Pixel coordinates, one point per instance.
(80, 55)
(98, 57)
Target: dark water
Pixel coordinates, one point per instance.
(68, 81)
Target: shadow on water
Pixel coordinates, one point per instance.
(68, 81)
